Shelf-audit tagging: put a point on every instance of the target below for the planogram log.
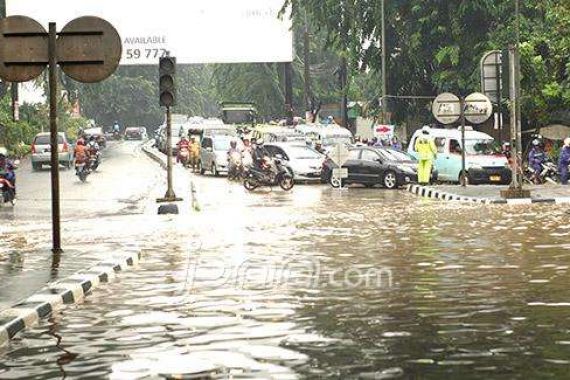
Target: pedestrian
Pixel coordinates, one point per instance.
(396, 143)
(427, 152)
(564, 161)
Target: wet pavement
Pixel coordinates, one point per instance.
(316, 283)
(547, 191)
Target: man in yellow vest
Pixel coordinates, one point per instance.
(427, 152)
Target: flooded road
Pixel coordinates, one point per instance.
(363, 284)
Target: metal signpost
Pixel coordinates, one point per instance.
(492, 83)
(88, 49)
(476, 108)
(339, 156)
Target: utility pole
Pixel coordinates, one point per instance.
(288, 67)
(384, 99)
(307, 74)
(516, 188)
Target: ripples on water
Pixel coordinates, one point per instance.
(463, 291)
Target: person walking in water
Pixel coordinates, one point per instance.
(564, 161)
(427, 152)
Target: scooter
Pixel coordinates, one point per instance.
(7, 192)
(273, 173)
(184, 157)
(82, 170)
(549, 173)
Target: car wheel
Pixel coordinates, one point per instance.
(215, 171)
(390, 181)
(201, 168)
(36, 166)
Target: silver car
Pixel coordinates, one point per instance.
(41, 151)
(214, 154)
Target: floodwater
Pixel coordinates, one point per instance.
(359, 284)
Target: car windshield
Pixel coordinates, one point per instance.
(333, 140)
(302, 153)
(480, 147)
(397, 155)
(44, 140)
(223, 144)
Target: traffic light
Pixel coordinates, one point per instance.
(167, 88)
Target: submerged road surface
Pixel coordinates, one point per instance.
(316, 283)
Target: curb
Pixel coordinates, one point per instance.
(428, 192)
(153, 155)
(65, 292)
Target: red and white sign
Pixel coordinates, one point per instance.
(384, 131)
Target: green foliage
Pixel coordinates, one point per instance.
(435, 46)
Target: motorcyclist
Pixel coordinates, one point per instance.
(259, 156)
(7, 173)
(246, 154)
(182, 144)
(194, 149)
(234, 159)
(564, 161)
(319, 147)
(536, 157)
(81, 152)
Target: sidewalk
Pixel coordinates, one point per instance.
(490, 194)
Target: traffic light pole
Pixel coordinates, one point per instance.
(170, 196)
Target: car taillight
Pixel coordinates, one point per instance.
(33, 148)
(65, 147)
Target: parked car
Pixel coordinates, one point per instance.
(483, 163)
(214, 153)
(305, 162)
(41, 151)
(372, 166)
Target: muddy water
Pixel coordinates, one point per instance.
(368, 284)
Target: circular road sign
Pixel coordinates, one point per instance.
(89, 49)
(478, 108)
(23, 49)
(446, 108)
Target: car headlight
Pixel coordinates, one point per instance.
(406, 169)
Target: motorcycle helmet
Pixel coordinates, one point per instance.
(80, 142)
(535, 142)
(259, 141)
(233, 144)
(426, 129)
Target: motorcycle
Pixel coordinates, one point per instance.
(549, 173)
(184, 156)
(116, 135)
(7, 191)
(8, 184)
(94, 159)
(273, 173)
(82, 170)
(235, 167)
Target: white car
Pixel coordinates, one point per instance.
(305, 161)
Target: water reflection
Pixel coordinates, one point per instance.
(464, 291)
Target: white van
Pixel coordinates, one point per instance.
(484, 163)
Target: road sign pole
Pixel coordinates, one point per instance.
(56, 228)
(462, 116)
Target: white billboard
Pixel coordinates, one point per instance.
(193, 31)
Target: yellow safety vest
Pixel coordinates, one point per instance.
(426, 148)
